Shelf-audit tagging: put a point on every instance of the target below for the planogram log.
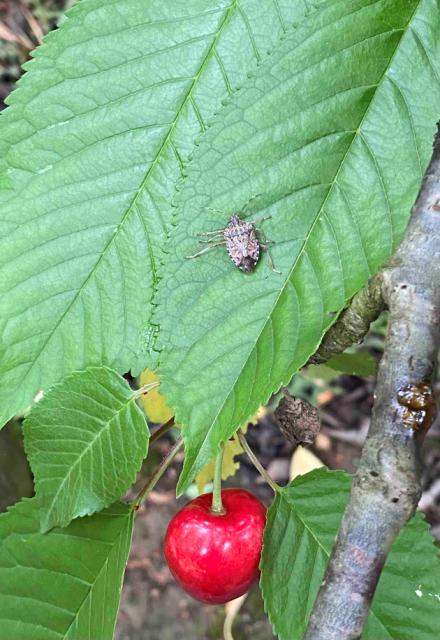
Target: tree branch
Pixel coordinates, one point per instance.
(353, 323)
(386, 487)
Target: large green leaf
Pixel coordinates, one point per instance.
(334, 132)
(301, 529)
(65, 584)
(85, 440)
(91, 146)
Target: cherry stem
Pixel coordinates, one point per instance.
(157, 474)
(257, 464)
(166, 426)
(217, 504)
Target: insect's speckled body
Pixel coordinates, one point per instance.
(242, 243)
(241, 240)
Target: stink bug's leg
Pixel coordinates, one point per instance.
(265, 245)
(215, 210)
(205, 250)
(263, 237)
(259, 221)
(269, 256)
(217, 232)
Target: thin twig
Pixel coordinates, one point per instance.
(34, 24)
(386, 487)
(164, 428)
(157, 474)
(257, 464)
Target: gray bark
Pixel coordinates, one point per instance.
(386, 487)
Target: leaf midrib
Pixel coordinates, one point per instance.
(131, 206)
(125, 529)
(104, 566)
(306, 239)
(99, 434)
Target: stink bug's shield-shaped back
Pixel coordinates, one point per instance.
(241, 240)
(242, 243)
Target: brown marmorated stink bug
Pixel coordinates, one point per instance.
(242, 243)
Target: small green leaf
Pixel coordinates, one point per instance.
(360, 363)
(318, 372)
(64, 585)
(85, 441)
(301, 528)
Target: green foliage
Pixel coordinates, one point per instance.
(85, 442)
(314, 132)
(329, 136)
(65, 584)
(301, 528)
(359, 363)
(91, 147)
(352, 363)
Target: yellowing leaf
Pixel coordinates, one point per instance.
(153, 403)
(303, 461)
(261, 412)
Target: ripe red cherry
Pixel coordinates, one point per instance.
(215, 557)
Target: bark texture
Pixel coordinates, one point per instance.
(353, 323)
(386, 487)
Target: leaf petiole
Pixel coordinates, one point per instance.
(164, 428)
(257, 464)
(157, 474)
(138, 393)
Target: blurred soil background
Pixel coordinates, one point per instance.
(153, 607)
